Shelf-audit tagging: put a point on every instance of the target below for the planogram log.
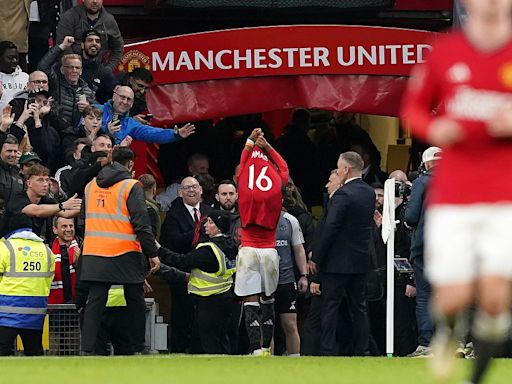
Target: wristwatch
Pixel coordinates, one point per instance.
(61, 207)
(304, 275)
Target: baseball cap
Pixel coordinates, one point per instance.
(36, 92)
(29, 156)
(90, 32)
(431, 153)
(222, 220)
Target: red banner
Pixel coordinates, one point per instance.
(280, 51)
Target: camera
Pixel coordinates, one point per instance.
(402, 190)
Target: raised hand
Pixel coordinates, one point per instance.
(186, 130)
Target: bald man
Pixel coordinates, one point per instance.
(36, 80)
(181, 231)
(117, 121)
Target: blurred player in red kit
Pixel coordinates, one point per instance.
(262, 176)
(468, 79)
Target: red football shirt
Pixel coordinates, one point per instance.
(260, 196)
(468, 86)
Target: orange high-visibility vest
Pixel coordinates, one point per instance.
(108, 231)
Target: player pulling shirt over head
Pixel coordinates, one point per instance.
(262, 175)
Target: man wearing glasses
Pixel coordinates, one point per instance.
(66, 86)
(37, 80)
(181, 231)
(118, 122)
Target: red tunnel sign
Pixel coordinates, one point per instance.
(280, 51)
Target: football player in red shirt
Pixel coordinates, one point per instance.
(468, 79)
(262, 176)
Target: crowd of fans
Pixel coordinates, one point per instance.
(60, 125)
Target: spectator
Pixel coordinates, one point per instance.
(139, 80)
(212, 267)
(12, 77)
(197, 164)
(208, 186)
(35, 204)
(181, 232)
(148, 184)
(415, 218)
(118, 123)
(14, 21)
(289, 245)
(27, 160)
(10, 181)
(44, 15)
(36, 122)
(24, 295)
(74, 155)
(70, 91)
(37, 80)
(99, 77)
(92, 15)
(66, 249)
(89, 165)
(121, 219)
(343, 255)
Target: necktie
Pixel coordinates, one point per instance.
(197, 229)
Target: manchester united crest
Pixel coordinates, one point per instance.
(133, 59)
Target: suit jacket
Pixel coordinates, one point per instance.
(344, 242)
(178, 228)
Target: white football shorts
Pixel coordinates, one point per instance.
(464, 242)
(257, 271)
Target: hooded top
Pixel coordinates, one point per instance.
(127, 268)
(12, 83)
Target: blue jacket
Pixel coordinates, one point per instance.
(415, 213)
(138, 131)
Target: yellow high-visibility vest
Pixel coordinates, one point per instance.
(207, 284)
(26, 273)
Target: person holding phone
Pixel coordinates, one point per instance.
(69, 90)
(35, 121)
(117, 121)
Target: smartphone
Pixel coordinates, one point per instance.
(115, 117)
(82, 98)
(31, 100)
(148, 116)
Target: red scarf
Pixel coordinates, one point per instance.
(57, 289)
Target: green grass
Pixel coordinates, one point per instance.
(227, 370)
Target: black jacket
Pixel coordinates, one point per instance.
(74, 22)
(10, 185)
(130, 267)
(178, 227)
(306, 225)
(45, 140)
(415, 213)
(65, 94)
(99, 78)
(345, 239)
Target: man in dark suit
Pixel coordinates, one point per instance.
(181, 232)
(343, 255)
